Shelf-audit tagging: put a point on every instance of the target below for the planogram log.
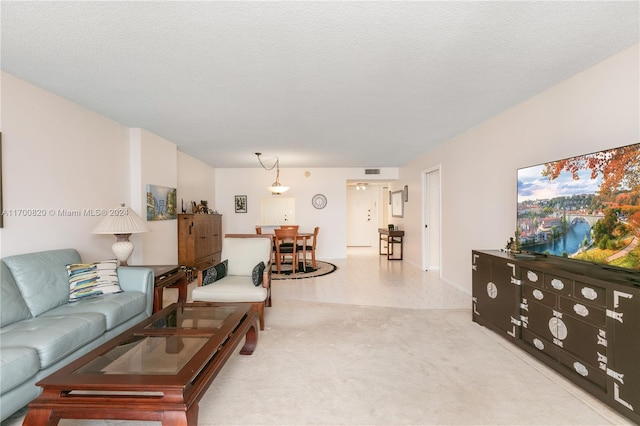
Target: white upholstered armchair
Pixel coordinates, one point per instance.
(244, 276)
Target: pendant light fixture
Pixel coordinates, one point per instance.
(276, 188)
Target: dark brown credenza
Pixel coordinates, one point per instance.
(582, 320)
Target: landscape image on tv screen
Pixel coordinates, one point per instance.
(585, 207)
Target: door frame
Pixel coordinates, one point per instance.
(425, 208)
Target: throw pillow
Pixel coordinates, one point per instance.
(215, 273)
(256, 274)
(93, 279)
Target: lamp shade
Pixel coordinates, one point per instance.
(122, 220)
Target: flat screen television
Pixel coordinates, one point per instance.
(585, 208)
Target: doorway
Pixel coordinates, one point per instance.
(432, 219)
(362, 215)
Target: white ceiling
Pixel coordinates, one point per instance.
(343, 84)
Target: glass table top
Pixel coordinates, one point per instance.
(165, 345)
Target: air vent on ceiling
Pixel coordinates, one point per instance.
(371, 171)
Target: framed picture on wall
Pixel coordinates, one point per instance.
(161, 203)
(241, 203)
(397, 204)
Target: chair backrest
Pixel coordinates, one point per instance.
(244, 252)
(259, 230)
(315, 236)
(289, 227)
(286, 237)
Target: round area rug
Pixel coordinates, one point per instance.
(323, 268)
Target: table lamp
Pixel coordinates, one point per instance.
(122, 222)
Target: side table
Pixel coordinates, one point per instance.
(392, 238)
(168, 276)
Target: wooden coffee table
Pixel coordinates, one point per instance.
(156, 371)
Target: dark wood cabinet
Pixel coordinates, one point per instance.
(580, 319)
(199, 240)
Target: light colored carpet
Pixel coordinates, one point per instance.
(333, 364)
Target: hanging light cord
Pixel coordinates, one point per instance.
(276, 164)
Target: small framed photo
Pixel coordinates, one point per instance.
(397, 204)
(241, 203)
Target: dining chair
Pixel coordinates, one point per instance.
(309, 247)
(259, 230)
(285, 245)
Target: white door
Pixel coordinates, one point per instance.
(362, 217)
(432, 219)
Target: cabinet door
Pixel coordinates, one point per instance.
(623, 313)
(496, 294)
(480, 276)
(506, 277)
(201, 235)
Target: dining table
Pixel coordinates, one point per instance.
(300, 236)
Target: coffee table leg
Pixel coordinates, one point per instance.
(251, 338)
(39, 417)
(181, 418)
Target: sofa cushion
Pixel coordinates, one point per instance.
(232, 288)
(245, 253)
(18, 364)
(256, 274)
(214, 273)
(42, 277)
(88, 280)
(12, 306)
(116, 308)
(53, 337)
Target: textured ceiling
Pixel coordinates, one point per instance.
(345, 84)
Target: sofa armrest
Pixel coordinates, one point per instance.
(138, 279)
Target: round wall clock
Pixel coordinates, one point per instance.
(319, 201)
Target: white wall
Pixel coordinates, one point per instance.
(58, 156)
(332, 182)
(196, 182)
(594, 110)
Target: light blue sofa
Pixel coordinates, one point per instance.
(40, 331)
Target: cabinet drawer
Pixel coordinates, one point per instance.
(589, 313)
(205, 262)
(560, 285)
(532, 277)
(590, 293)
(590, 373)
(539, 295)
(541, 344)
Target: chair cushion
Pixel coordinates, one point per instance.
(17, 364)
(88, 280)
(245, 253)
(256, 275)
(42, 277)
(232, 288)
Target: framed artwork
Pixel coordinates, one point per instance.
(397, 204)
(241, 203)
(161, 203)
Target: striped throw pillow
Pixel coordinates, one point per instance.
(93, 279)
